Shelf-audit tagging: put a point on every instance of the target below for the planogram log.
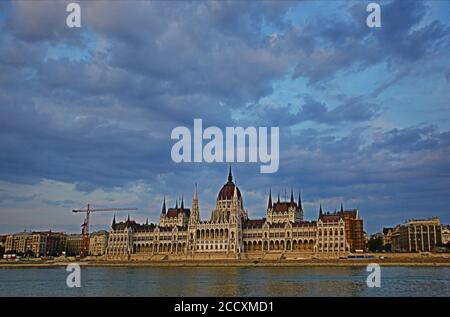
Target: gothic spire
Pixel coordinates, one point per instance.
(195, 192)
(300, 201)
(230, 176)
(163, 211)
(114, 222)
(194, 217)
(182, 202)
(342, 207)
(320, 211)
(269, 205)
(292, 197)
(278, 201)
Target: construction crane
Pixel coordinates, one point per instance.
(85, 227)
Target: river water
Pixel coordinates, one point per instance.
(227, 281)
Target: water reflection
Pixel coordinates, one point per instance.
(226, 281)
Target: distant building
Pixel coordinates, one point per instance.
(98, 242)
(74, 244)
(445, 234)
(387, 236)
(40, 243)
(348, 220)
(2, 244)
(417, 235)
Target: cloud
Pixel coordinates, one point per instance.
(98, 123)
(43, 22)
(352, 46)
(351, 110)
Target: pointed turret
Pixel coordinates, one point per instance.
(230, 176)
(300, 206)
(113, 226)
(128, 219)
(235, 194)
(195, 193)
(278, 200)
(292, 197)
(163, 210)
(269, 205)
(342, 207)
(176, 204)
(182, 202)
(146, 222)
(320, 211)
(194, 217)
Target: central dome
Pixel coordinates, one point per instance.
(227, 191)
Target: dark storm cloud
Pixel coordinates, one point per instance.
(411, 139)
(351, 110)
(104, 120)
(217, 51)
(350, 43)
(45, 21)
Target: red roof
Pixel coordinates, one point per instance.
(227, 191)
(331, 218)
(281, 207)
(254, 223)
(173, 212)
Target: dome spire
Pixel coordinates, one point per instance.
(230, 176)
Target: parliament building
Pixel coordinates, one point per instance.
(229, 233)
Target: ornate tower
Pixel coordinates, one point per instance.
(223, 211)
(301, 212)
(195, 214)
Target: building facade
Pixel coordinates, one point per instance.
(445, 234)
(74, 244)
(417, 236)
(230, 233)
(36, 244)
(2, 244)
(98, 242)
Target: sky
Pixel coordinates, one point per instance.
(86, 113)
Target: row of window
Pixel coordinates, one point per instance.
(214, 247)
(330, 232)
(330, 245)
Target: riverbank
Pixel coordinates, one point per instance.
(434, 261)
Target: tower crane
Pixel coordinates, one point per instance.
(85, 227)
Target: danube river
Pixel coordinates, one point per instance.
(227, 281)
